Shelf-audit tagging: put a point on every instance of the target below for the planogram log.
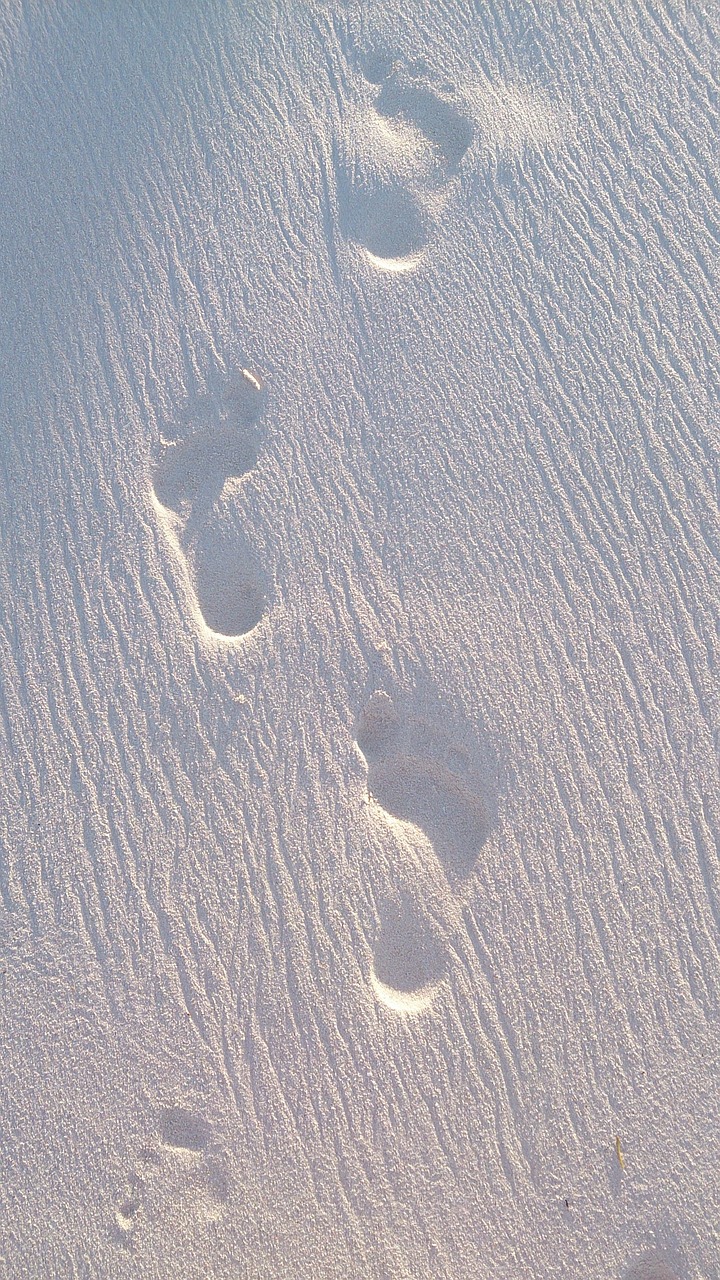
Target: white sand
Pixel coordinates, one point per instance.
(359, 877)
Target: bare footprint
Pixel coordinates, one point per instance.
(184, 1169)
(230, 588)
(128, 1207)
(189, 479)
(386, 215)
(424, 778)
(419, 776)
(653, 1266)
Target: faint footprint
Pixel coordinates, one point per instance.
(128, 1207)
(654, 1266)
(208, 1179)
(183, 1130)
(189, 480)
(423, 778)
(186, 1169)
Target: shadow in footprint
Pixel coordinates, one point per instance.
(377, 64)
(444, 126)
(182, 1129)
(419, 776)
(229, 587)
(409, 962)
(385, 221)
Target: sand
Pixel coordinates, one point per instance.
(359, 876)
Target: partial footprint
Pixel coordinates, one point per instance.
(653, 1266)
(184, 1130)
(386, 221)
(448, 129)
(230, 587)
(128, 1207)
(409, 961)
(196, 470)
(189, 480)
(192, 472)
(215, 1182)
(415, 774)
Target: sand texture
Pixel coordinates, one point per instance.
(359, 640)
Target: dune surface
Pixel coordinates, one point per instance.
(359, 643)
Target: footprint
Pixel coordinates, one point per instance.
(424, 779)
(388, 215)
(652, 1266)
(231, 591)
(207, 1179)
(128, 1207)
(184, 1170)
(189, 480)
(184, 1130)
(418, 776)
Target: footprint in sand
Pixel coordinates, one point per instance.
(422, 778)
(184, 1169)
(189, 483)
(128, 1206)
(410, 143)
(205, 1168)
(183, 1130)
(419, 776)
(388, 201)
